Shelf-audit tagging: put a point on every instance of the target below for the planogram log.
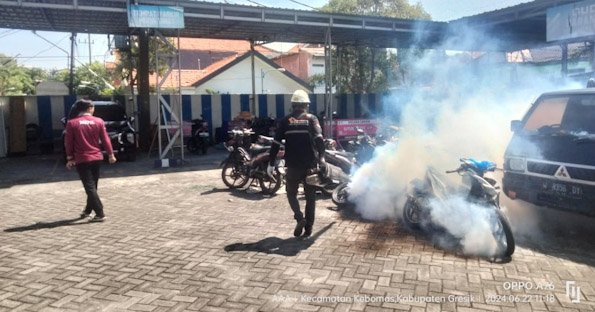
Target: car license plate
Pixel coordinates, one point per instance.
(566, 190)
(203, 134)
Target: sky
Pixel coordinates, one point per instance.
(50, 50)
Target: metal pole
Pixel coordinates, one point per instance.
(261, 81)
(328, 84)
(143, 90)
(592, 57)
(564, 59)
(71, 78)
(253, 101)
(89, 38)
(181, 123)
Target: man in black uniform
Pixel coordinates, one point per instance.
(304, 151)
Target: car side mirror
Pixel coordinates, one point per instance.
(516, 125)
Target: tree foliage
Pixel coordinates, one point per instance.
(388, 8)
(90, 80)
(365, 69)
(128, 60)
(16, 79)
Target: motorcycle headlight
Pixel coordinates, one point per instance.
(517, 164)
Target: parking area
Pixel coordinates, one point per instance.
(177, 239)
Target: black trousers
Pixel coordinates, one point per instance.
(89, 174)
(294, 177)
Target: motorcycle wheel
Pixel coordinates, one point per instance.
(328, 189)
(503, 235)
(233, 176)
(192, 145)
(340, 194)
(268, 186)
(412, 214)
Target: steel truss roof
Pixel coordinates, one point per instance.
(519, 26)
(220, 21)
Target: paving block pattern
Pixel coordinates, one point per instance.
(178, 240)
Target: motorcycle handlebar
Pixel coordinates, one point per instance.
(453, 171)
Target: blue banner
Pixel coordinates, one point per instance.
(153, 16)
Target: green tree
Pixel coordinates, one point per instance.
(90, 80)
(127, 63)
(365, 69)
(14, 79)
(37, 75)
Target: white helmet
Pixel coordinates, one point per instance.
(300, 96)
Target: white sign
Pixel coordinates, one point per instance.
(571, 21)
(155, 16)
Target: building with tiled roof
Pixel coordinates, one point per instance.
(201, 57)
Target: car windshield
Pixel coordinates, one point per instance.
(110, 112)
(570, 114)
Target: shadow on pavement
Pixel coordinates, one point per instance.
(215, 191)
(553, 232)
(275, 245)
(47, 225)
(252, 193)
(51, 168)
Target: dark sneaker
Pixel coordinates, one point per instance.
(98, 219)
(307, 232)
(84, 215)
(299, 227)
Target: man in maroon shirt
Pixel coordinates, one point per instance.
(82, 143)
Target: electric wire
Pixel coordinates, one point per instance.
(311, 7)
(14, 31)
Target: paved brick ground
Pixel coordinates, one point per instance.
(178, 240)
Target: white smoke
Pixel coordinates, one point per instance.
(462, 107)
(473, 224)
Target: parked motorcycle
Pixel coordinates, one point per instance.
(362, 147)
(200, 140)
(362, 151)
(484, 191)
(248, 162)
(326, 178)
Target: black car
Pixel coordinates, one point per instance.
(550, 160)
(119, 128)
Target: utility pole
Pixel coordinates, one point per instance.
(89, 39)
(253, 100)
(143, 89)
(71, 79)
(88, 42)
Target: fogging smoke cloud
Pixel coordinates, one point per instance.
(460, 105)
(473, 224)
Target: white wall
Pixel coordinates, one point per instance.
(238, 80)
(317, 70)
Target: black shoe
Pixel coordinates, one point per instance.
(97, 219)
(307, 232)
(299, 227)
